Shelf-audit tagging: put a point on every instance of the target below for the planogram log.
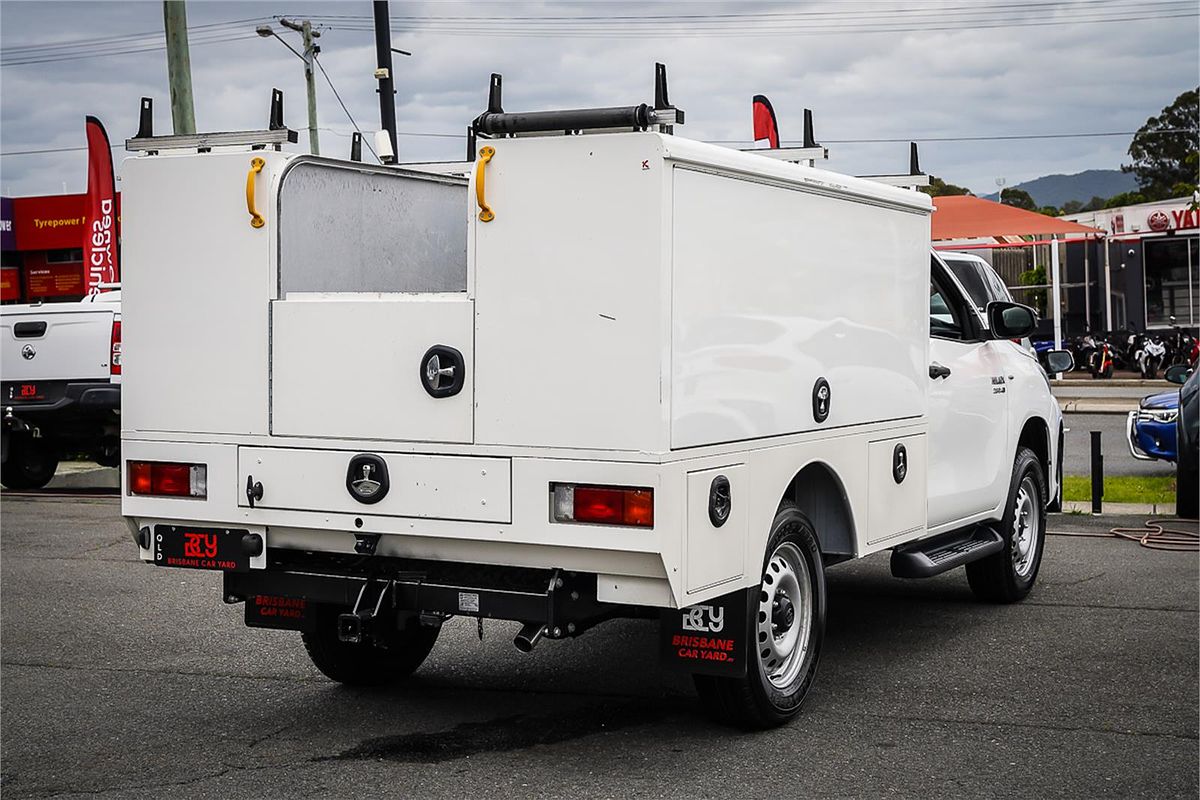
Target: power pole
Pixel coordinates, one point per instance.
(383, 72)
(310, 78)
(179, 67)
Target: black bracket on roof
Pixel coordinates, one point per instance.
(809, 139)
(914, 164)
(146, 119)
(495, 122)
(356, 146)
(276, 122)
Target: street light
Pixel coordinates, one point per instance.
(308, 57)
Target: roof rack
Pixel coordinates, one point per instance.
(914, 179)
(496, 122)
(275, 136)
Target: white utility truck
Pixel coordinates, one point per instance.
(614, 373)
(61, 386)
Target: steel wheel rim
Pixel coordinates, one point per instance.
(1026, 523)
(783, 638)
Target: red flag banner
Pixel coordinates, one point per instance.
(765, 126)
(100, 209)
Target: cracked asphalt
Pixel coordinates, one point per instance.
(126, 680)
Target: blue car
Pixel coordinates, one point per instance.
(1151, 429)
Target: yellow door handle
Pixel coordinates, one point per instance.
(485, 211)
(256, 219)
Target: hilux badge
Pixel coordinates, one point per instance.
(367, 478)
(27, 352)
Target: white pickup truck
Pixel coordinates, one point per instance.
(61, 388)
(611, 374)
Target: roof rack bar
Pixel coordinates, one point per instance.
(257, 139)
(502, 124)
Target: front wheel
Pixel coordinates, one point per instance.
(787, 623)
(393, 657)
(1008, 575)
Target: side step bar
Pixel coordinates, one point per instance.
(931, 557)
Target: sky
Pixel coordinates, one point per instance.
(930, 70)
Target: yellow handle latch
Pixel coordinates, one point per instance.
(485, 211)
(256, 219)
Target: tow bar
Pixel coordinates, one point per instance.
(356, 625)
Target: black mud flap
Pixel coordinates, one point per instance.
(708, 638)
(273, 611)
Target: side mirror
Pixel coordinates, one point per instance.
(1010, 320)
(1178, 373)
(1059, 361)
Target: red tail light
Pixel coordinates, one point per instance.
(114, 357)
(164, 479)
(603, 505)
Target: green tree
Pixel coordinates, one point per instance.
(1018, 198)
(1035, 297)
(1049, 211)
(1165, 150)
(1095, 204)
(1072, 207)
(1125, 199)
(939, 188)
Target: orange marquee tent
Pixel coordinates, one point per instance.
(967, 217)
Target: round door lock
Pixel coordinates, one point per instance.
(367, 478)
(720, 501)
(821, 398)
(899, 463)
(443, 371)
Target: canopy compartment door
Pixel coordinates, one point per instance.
(372, 331)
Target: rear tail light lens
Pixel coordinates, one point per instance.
(626, 506)
(114, 356)
(167, 479)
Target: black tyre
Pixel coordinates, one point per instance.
(1007, 576)
(393, 659)
(788, 623)
(31, 463)
(1187, 504)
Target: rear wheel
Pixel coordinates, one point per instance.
(1008, 575)
(31, 463)
(396, 654)
(787, 621)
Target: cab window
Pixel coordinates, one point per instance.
(945, 318)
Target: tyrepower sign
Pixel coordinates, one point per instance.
(52, 222)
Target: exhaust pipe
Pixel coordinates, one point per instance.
(529, 635)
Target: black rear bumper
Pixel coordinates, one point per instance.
(61, 399)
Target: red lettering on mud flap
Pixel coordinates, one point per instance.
(708, 638)
(274, 611)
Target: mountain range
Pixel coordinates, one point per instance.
(1054, 190)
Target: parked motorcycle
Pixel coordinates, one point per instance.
(1149, 355)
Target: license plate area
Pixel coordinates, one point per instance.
(201, 548)
(32, 391)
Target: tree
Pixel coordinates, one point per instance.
(1018, 198)
(1125, 199)
(939, 188)
(1164, 151)
(1049, 211)
(1035, 297)
(1072, 207)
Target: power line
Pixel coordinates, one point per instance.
(348, 114)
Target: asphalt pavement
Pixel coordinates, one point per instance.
(127, 680)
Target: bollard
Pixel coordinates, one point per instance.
(1097, 473)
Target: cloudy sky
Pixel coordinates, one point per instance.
(948, 73)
